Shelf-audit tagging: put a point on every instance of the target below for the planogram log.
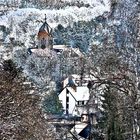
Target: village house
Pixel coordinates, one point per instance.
(75, 99)
(76, 95)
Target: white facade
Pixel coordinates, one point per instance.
(74, 100)
(76, 94)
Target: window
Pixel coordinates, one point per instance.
(81, 103)
(67, 99)
(67, 106)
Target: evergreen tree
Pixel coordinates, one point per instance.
(51, 104)
(111, 122)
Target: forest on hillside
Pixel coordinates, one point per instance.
(110, 44)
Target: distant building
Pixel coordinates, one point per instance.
(75, 96)
(45, 45)
(74, 100)
(45, 36)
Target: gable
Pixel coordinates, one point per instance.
(80, 94)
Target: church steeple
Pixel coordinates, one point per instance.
(45, 35)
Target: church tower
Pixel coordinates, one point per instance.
(45, 39)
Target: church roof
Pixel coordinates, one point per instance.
(45, 27)
(42, 52)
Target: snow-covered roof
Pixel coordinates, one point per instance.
(76, 78)
(79, 127)
(77, 51)
(45, 28)
(43, 52)
(46, 51)
(80, 94)
(61, 47)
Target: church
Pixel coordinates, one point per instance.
(45, 46)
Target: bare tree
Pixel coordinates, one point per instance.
(21, 117)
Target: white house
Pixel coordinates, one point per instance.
(75, 95)
(74, 100)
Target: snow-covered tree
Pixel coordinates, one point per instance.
(20, 114)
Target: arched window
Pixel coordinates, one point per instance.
(43, 43)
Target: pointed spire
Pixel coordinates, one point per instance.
(45, 27)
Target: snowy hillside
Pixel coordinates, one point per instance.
(63, 16)
(25, 22)
(90, 2)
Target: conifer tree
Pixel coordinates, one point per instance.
(111, 119)
(51, 104)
